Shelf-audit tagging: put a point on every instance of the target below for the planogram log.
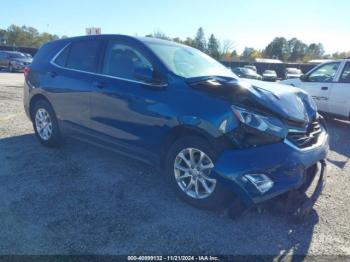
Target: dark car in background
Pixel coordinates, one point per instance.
(291, 72)
(214, 136)
(269, 75)
(13, 61)
(244, 72)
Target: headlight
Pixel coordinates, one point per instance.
(270, 125)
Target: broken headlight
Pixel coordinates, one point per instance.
(256, 129)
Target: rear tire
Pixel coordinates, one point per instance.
(45, 124)
(181, 174)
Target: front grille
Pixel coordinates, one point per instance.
(304, 139)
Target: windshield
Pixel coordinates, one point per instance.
(248, 71)
(17, 55)
(189, 62)
(293, 71)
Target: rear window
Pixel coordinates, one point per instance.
(83, 55)
(293, 70)
(17, 55)
(61, 59)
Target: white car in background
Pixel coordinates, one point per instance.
(292, 72)
(269, 75)
(329, 85)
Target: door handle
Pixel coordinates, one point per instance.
(324, 88)
(52, 74)
(98, 84)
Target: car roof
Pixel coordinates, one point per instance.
(11, 52)
(137, 38)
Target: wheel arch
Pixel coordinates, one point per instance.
(34, 100)
(182, 131)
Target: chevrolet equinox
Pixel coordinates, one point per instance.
(213, 135)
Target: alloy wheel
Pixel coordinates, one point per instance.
(43, 124)
(192, 169)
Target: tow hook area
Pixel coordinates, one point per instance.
(295, 204)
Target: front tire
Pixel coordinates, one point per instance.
(188, 169)
(45, 124)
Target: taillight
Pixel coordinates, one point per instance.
(26, 71)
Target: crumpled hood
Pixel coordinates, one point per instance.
(290, 103)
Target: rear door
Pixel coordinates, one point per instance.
(339, 102)
(71, 80)
(319, 84)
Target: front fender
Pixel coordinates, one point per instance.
(215, 127)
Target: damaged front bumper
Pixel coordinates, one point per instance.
(287, 166)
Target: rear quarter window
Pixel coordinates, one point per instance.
(47, 52)
(61, 59)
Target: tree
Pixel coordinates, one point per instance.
(297, 50)
(277, 49)
(3, 36)
(340, 55)
(158, 34)
(27, 36)
(189, 41)
(234, 54)
(199, 41)
(177, 40)
(226, 49)
(213, 47)
(315, 50)
(250, 53)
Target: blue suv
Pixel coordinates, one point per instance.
(213, 135)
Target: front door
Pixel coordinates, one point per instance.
(123, 105)
(339, 102)
(319, 84)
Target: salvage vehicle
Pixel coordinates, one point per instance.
(214, 136)
(329, 85)
(13, 61)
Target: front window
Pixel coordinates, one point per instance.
(324, 73)
(188, 62)
(345, 76)
(122, 61)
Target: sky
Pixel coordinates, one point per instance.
(251, 23)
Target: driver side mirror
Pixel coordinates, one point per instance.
(304, 78)
(144, 74)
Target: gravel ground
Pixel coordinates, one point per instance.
(80, 199)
